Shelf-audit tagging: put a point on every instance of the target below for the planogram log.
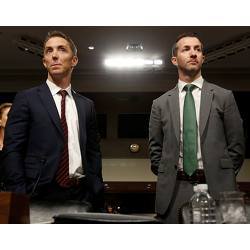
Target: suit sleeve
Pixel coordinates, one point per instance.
(93, 153)
(155, 138)
(234, 132)
(15, 141)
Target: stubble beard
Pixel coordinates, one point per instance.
(190, 72)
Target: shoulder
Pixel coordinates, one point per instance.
(165, 96)
(28, 93)
(31, 91)
(217, 89)
(82, 98)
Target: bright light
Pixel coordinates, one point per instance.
(131, 62)
(91, 47)
(157, 62)
(120, 62)
(148, 62)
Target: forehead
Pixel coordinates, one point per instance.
(56, 41)
(188, 41)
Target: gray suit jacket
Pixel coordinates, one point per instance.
(221, 135)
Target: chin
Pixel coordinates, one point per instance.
(56, 72)
(192, 71)
(194, 68)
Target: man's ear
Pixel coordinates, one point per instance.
(74, 61)
(203, 59)
(174, 61)
(44, 63)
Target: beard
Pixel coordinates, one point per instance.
(191, 72)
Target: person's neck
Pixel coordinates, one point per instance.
(62, 82)
(188, 78)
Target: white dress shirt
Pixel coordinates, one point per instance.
(197, 100)
(75, 159)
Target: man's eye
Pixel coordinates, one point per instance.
(48, 51)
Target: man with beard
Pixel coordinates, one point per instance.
(195, 134)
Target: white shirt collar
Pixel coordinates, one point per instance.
(198, 83)
(54, 89)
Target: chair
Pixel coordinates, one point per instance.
(14, 208)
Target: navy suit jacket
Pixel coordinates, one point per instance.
(34, 141)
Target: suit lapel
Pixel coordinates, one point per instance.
(175, 111)
(81, 115)
(205, 106)
(50, 106)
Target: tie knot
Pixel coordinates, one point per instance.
(189, 87)
(63, 93)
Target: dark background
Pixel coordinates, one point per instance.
(135, 125)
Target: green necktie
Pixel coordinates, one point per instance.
(190, 161)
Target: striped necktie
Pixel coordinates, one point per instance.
(62, 176)
(190, 161)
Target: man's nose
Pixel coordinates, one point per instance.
(54, 54)
(193, 53)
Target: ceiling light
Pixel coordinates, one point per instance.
(158, 62)
(121, 62)
(148, 62)
(91, 47)
(131, 62)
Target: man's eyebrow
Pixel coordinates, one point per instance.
(59, 46)
(195, 46)
(48, 47)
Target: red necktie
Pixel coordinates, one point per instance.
(62, 176)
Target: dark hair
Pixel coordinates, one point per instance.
(187, 34)
(4, 106)
(56, 33)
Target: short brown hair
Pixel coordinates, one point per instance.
(56, 33)
(187, 34)
(3, 106)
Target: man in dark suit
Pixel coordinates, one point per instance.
(195, 134)
(51, 145)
